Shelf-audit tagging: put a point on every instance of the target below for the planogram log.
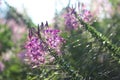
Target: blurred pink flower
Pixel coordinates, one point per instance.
(85, 14)
(21, 55)
(101, 6)
(2, 66)
(7, 55)
(18, 30)
(52, 59)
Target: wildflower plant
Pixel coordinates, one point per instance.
(70, 20)
(39, 41)
(83, 52)
(76, 47)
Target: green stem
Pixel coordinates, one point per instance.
(66, 67)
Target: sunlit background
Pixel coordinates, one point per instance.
(42, 10)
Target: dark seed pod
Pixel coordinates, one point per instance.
(42, 26)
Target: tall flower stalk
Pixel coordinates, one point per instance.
(39, 41)
(46, 41)
(83, 18)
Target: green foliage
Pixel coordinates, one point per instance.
(5, 38)
(14, 70)
(114, 3)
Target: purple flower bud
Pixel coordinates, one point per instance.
(30, 33)
(38, 30)
(73, 11)
(46, 24)
(42, 25)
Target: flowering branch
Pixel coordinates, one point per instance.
(44, 42)
(101, 38)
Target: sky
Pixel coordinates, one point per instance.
(41, 10)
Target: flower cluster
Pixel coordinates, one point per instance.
(53, 39)
(39, 42)
(70, 20)
(85, 14)
(35, 51)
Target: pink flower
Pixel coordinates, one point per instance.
(53, 39)
(70, 20)
(35, 51)
(85, 14)
(2, 66)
